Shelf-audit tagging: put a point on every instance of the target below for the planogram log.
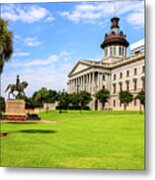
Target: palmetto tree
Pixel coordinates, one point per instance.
(6, 45)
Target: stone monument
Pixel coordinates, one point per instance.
(15, 108)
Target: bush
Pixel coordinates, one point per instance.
(33, 117)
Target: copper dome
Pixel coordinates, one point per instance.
(115, 36)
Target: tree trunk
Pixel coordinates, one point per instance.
(103, 105)
(124, 106)
(140, 110)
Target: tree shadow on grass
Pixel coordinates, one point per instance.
(22, 122)
(29, 131)
(37, 131)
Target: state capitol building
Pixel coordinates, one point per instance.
(115, 72)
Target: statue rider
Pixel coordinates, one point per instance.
(18, 82)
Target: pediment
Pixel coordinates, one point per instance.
(80, 66)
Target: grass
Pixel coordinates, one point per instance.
(91, 139)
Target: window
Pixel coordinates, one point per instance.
(106, 52)
(114, 77)
(111, 49)
(120, 51)
(114, 88)
(103, 87)
(135, 71)
(127, 73)
(120, 86)
(127, 85)
(135, 84)
(114, 50)
(103, 77)
(143, 83)
(114, 103)
(121, 75)
(143, 69)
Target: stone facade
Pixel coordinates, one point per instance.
(114, 72)
(15, 110)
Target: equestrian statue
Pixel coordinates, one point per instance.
(19, 87)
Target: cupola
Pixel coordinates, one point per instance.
(115, 43)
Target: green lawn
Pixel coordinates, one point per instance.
(91, 139)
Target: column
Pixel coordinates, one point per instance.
(98, 81)
(93, 82)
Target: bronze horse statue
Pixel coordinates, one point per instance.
(19, 88)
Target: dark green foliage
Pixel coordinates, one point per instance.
(2, 104)
(85, 99)
(64, 100)
(52, 96)
(6, 45)
(33, 117)
(125, 98)
(40, 97)
(80, 100)
(44, 96)
(6, 42)
(103, 95)
(141, 97)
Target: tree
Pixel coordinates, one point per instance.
(2, 104)
(52, 96)
(64, 100)
(74, 100)
(125, 97)
(103, 95)
(6, 45)
(85, 99)
(40, 96)
(80, 100)
(141, 97)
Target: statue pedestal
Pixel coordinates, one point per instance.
(15, 110)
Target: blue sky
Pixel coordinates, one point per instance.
(49, 38)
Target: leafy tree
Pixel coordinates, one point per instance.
(85, 99)
(2, 104)
(74, 100)
(125, 97)
(6, 45)
(141, 97)
(52, 96)
(64, 100)
(103, 95)
(40, 96)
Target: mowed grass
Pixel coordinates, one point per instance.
(91, 139)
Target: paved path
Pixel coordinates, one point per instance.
(29, 121)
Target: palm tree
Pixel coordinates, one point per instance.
(6, 45)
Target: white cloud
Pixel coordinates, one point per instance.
(20, 54)
(136, 19)
(26, 13)
(88, 13)
(98, 12)
(39, 72)
(32, 41)
(50, 60)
